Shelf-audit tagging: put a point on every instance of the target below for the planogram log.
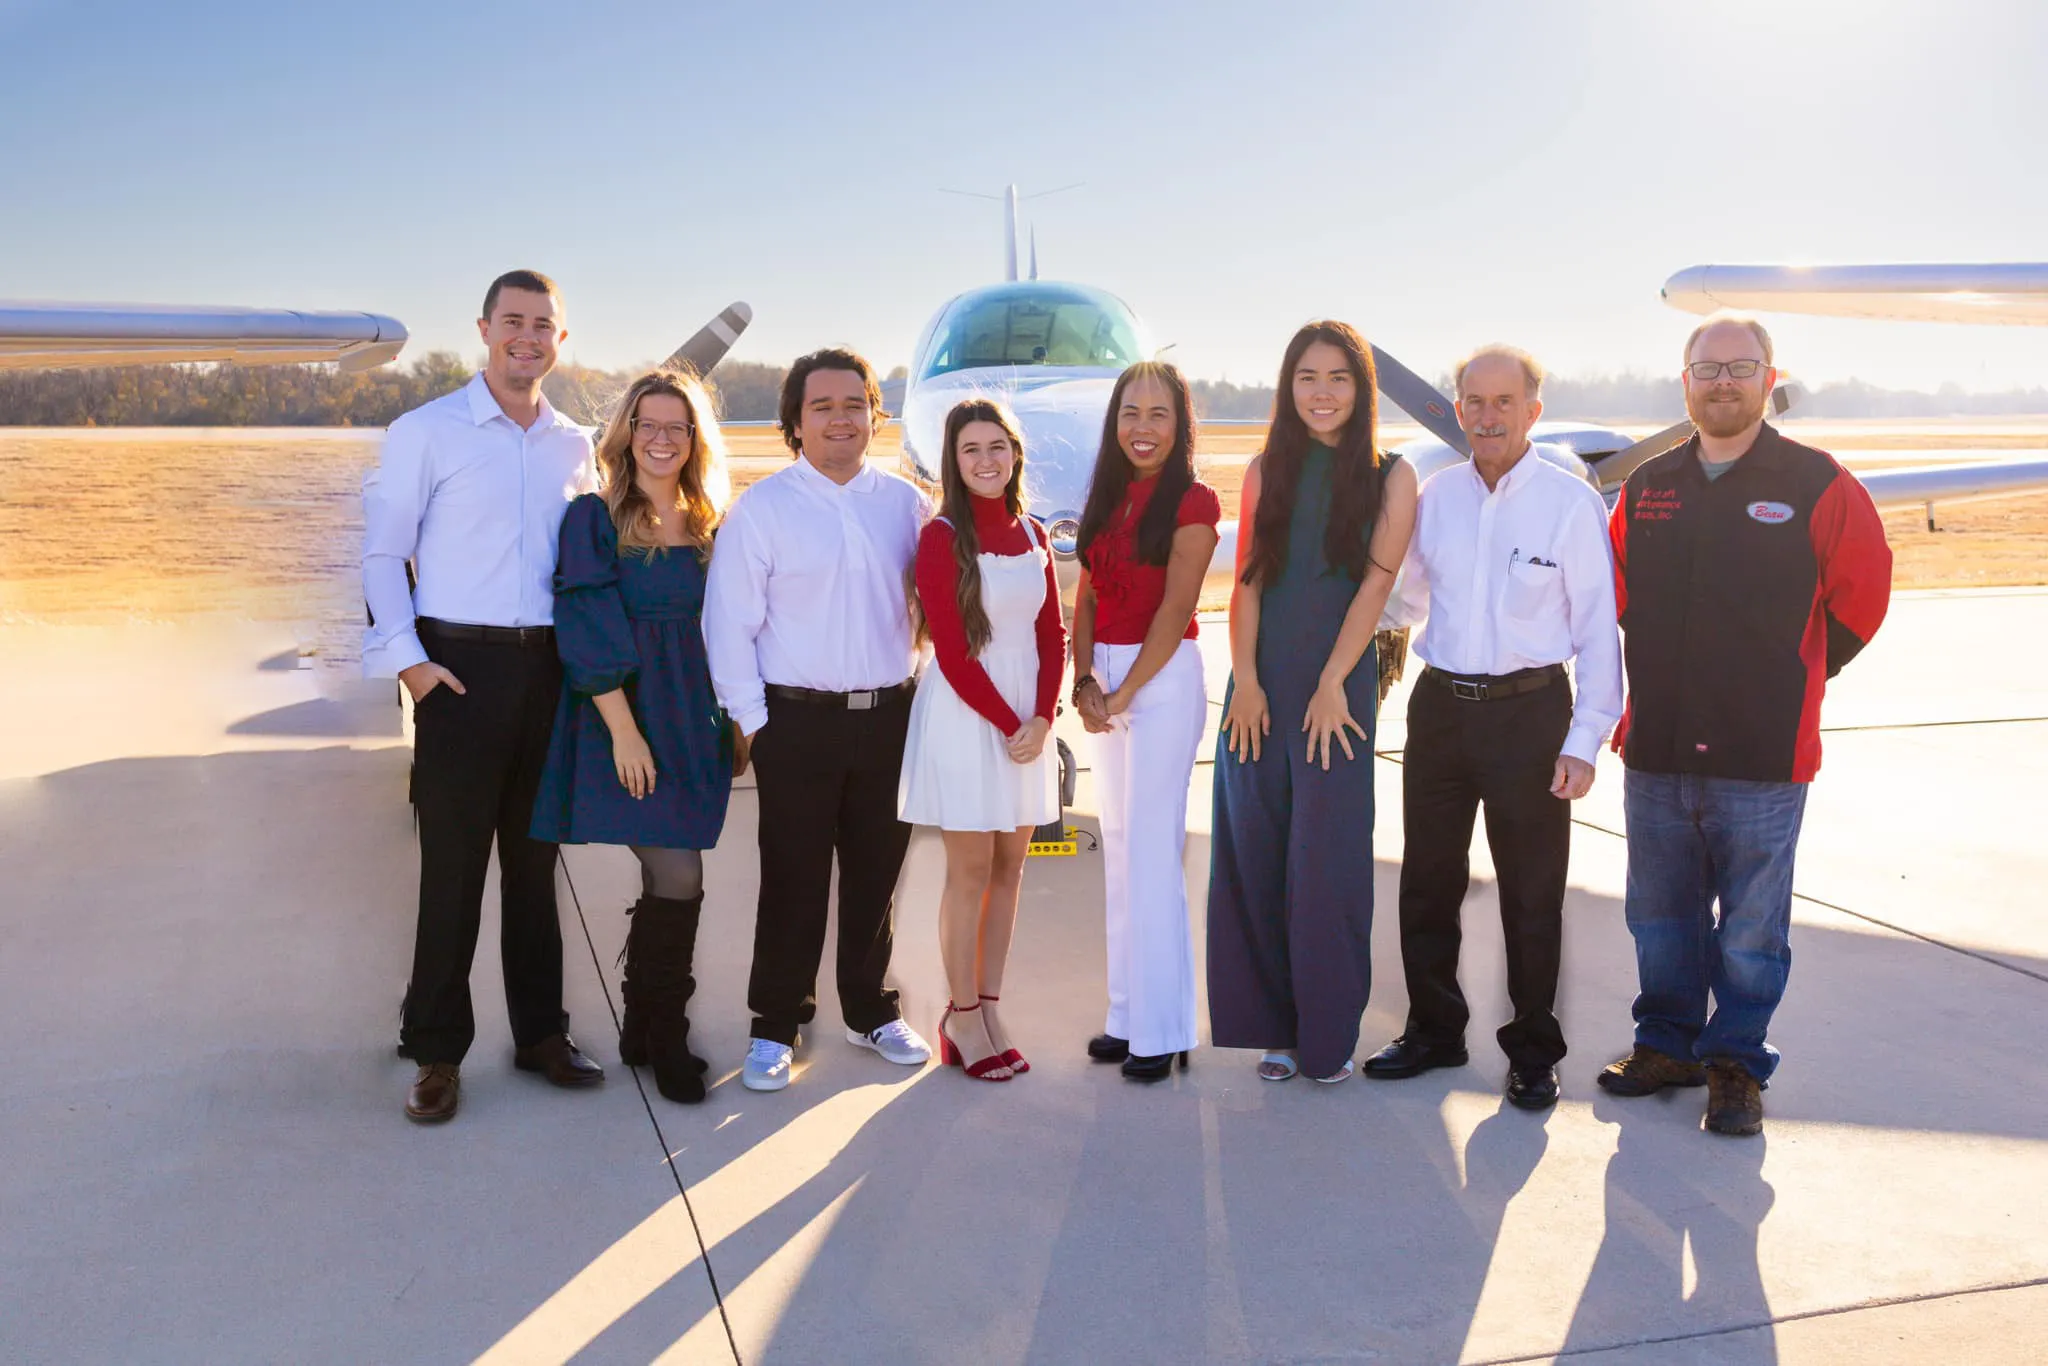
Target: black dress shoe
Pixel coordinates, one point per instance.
(1532, 1088)
(1408, 1057)
(559, 1060)
(1154, 1067)
(1109, 1048)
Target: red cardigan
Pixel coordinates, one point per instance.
(938, 582)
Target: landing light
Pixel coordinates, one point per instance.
(1065, 532)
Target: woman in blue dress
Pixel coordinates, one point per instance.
(642, 755)
(1323, 524)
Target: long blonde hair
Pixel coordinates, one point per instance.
(705, 487)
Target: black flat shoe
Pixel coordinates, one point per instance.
(1532, 1088)
(1157, 1067)
(1406, 1057)
(1109, 1048)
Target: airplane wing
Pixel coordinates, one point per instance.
(52, 335)
(1926, 485)
(2010, 293)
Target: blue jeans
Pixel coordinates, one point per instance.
(1693, 840)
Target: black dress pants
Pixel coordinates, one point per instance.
(827, 779)
(477, 761)
(1500, 754)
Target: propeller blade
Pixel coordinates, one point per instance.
(703, 351)
(1611, 470)
(1418, 398)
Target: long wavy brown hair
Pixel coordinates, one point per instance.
(1114, 473)
(956, 505)
(705, 487)
(1355, 475)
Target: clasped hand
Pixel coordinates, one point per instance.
(1094, 708)
(1029, 741)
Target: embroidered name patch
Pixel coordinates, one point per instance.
(1772, 513)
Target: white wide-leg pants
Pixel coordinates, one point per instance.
(1142, 767)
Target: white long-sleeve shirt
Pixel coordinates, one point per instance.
(808, 587)
(476, 501)
(1518, 577)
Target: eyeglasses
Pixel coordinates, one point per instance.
(678, 433)
(1704, 370)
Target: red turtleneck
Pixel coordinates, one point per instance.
(938, 582)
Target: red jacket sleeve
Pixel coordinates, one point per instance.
(938, 586)
(1617, 532)
(1052, 637)
(1855, 567)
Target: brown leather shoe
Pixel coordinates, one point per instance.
(1646, 1071)
(559, 1060)
(434, 1093)
(1735, 1102)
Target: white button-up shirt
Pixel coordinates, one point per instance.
(1518, 577)
(808, 587)
(476, 502)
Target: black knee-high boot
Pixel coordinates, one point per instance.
(663, 985)
(633, 1025)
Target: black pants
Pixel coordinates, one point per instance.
(827, 784)
(476, 765)
(1501, 754)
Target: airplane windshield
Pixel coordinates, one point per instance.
(1034, 325)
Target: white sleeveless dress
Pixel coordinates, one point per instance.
(957, 770)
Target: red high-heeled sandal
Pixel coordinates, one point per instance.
(950, 1055)
(1010, 1055)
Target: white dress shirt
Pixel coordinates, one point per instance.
(808, 587)
(476, 502)
(1518, 577)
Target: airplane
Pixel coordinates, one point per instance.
(50, 335)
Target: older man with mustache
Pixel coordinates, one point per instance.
(1510, 562)
(1749, 570)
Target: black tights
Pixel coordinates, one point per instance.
(673, 874)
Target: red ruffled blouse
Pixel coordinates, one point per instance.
(1128, 593)
(938, 583)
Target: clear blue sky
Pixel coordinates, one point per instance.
(1440, 175)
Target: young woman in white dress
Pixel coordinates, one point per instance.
(977, 764)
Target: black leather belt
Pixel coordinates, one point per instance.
(851, 701)
(1493, 687)
(526, 637)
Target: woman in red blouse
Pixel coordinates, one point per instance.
(1147, 533)
(977, 765)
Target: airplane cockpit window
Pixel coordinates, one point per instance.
(1035, 325)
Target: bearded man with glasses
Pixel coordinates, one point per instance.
(1748, 570)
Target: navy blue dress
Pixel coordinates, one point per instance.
(1290, 862)
(632, 620)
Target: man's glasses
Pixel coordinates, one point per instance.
(678, 433)
(1704, 370)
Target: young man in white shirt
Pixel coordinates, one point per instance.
(807, 624)
(1510, 560)
(471, 488)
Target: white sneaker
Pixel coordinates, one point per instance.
(767, 1066)
(896, 1041)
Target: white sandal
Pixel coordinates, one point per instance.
(1277, 1061)
(1341, 1074)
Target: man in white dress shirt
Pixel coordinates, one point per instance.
(1510, 561)
(471, 488)
(807, 624)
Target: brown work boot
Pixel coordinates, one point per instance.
(1646, 1071)
(1735, 1102)
(434, 1093)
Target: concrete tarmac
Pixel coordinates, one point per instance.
(209, 878)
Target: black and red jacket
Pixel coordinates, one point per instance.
(1739, 598)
